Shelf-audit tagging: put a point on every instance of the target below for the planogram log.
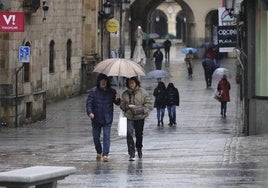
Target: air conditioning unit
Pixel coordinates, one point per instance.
(5, 4)
(31, 4)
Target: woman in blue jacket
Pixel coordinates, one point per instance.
(100, 110)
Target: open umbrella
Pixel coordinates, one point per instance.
(219, 72)
(150, 36)
(157, 45)
(119, 67)
(187, 50)
(169, 36)
(153, 35)
(158, 74)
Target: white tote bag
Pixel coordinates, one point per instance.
(122, 125)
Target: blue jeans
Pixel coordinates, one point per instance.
(172, 113)
(96, 131)
(160, 113)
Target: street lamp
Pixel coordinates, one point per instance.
(45, 9)
(107, 6)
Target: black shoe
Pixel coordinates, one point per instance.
(162, 123)
(158, 124)
(139, 152)
(174, 123)
(170, 124)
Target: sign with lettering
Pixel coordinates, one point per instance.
(227, 38)
(11, 22)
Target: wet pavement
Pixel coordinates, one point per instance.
(203, 150)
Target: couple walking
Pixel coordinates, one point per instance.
(100, 110)
(166, 97)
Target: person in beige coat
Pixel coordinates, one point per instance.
(133, 97)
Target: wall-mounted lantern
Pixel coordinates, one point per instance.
(45, 9)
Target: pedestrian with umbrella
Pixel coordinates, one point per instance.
(223, 89)
(136, 105)
(189, 63)
(100, 108)
(209, 67)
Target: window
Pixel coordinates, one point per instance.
(51, 57)
(69, 54)
(26, 68)
(28, 109)
(26, 75)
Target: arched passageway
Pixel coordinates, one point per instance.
(145, 14)
(192, 26)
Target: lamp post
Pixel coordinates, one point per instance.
(104, 14)
(124, 6)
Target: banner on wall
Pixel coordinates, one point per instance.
(11, 22)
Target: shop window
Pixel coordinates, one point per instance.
(29, 109)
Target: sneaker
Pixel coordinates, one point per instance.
(98, 157)
(105, 159)
(131, 158)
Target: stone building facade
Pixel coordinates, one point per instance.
(61, 40)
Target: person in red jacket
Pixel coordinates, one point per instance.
(223, 88)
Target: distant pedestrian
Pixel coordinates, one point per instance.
(189, 63)
(160, 95)
(218, 57)
(224, 88)
(158, 59)
(100, 110)
(173, 100)
(167, 45)
(209, 68)
(210, 52)
(135, 96)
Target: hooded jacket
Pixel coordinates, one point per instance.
(100, 102)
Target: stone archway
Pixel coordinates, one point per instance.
(211, 26)
(142, 13)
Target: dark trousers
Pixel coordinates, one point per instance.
(137, 126)
(223, 107)
(167, 55)
(208, 78)
(158, 65)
